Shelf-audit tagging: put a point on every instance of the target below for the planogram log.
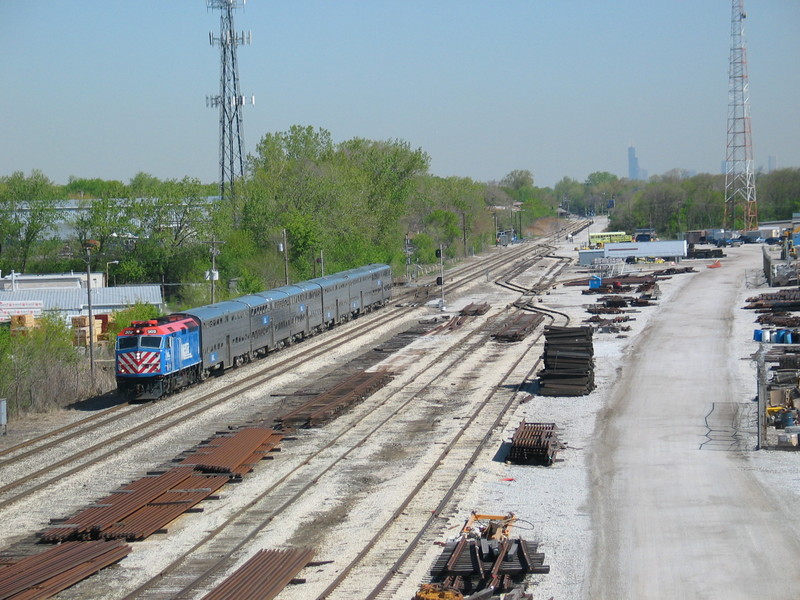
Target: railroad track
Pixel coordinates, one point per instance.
(209, 556)
(195, 407)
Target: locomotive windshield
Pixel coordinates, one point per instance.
(132, 341)
(150, 341)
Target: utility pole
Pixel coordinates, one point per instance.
(285, 250)
(740, 184)
(212, 274)
(230, 100)
(91, 315)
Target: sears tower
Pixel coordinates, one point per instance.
(633, 164)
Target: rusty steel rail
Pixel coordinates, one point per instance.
(88, 523)
(325, 406)
(234, 454)
(534, 443)
(164, 509)
(517, 327)
(47, 573)
(263, 576)
(473, 310)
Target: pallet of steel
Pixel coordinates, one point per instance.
(472, 565)
(473, 310)
(235, 453)
(517, 327)
(325, 406)
(534, 444)
(568, 362)
(45, 574)
(263, 576)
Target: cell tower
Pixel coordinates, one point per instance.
(740, 187)
(230, 101)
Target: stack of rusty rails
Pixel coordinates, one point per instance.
(264, 576)
(534, 444)
(612, 320)
(604, 310)
(45, 574)
(236, 453)
(607, 289)
(155, 515)
(90, 522)
(518, 326)
(784, 300)
(473, 565)
(327, 405)
(568, 362)
(780, 319)
(474, 310)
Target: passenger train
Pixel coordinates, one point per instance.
(160, 356)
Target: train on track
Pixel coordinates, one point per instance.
(157, 357)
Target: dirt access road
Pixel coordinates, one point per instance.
(678, 513)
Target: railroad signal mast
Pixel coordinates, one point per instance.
(740, 185)
(230, 101)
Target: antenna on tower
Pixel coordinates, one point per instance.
(230, 99)
(740, 187)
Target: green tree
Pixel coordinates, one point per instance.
(28, 209)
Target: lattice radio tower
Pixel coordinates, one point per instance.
(740, 187)
(230, 101)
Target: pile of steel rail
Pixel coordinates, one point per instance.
(234, 454)
(783, 300)
(474, 310)
(147, 505)
(47, 573)
(518, 326)
(568, 362)
(327, 405)
(263, 576)
(534, 444)
(779, 319)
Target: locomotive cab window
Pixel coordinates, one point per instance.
(126, 343)
(150, 341)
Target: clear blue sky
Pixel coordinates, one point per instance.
(110, 88)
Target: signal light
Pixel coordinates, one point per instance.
(439, 281)
(438, 253)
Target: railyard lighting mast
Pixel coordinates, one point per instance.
(230, 100)
(740, 187)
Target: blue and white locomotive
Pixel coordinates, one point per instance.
(157, 357)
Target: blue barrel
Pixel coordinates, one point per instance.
(787, 419)
(780, 335)
(758, 335)
(789, 337)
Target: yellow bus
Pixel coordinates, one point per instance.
(597, 240)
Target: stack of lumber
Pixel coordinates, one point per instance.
(568, 362)
(82, 332)
(22, 324)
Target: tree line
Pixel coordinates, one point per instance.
(336, 204)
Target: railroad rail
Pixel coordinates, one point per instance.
(476, 269)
